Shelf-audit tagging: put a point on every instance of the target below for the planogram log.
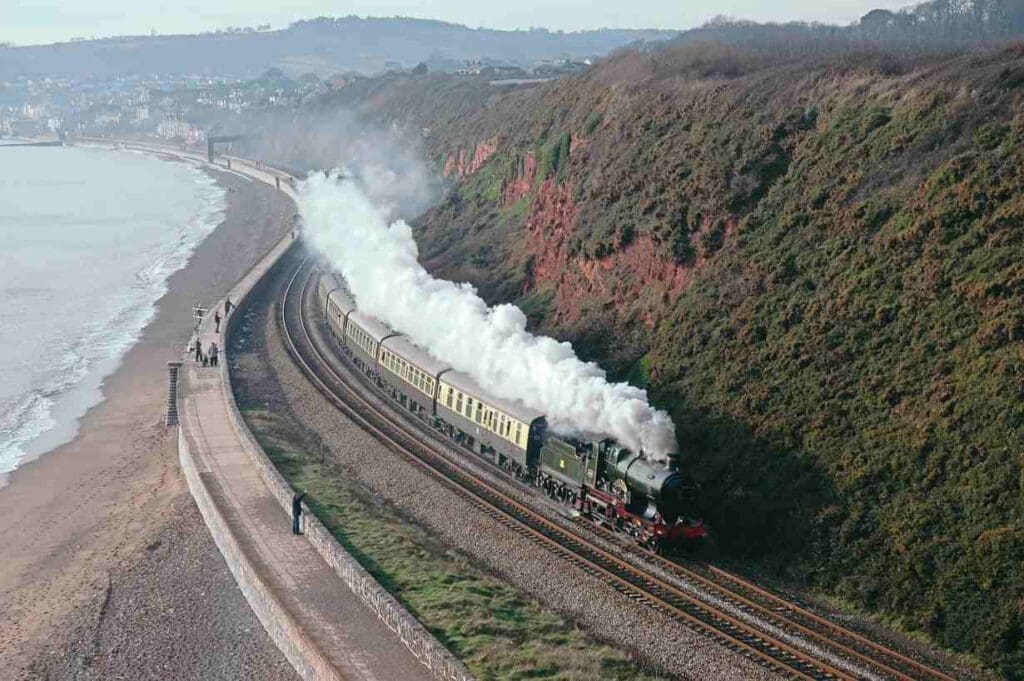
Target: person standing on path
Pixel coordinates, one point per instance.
(216, 321)
(297, 511)
(197, 347)
(227, 306)
(213, 353)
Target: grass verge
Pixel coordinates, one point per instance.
(498, 631)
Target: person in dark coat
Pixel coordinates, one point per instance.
(216, 321)
(198, 348)
(297, 511)
(213, 353)
(227, 306)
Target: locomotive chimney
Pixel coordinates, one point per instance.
(672, 457)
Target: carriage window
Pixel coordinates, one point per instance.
(458, 403)
(469, 408)
(519, 432)
(449, 400)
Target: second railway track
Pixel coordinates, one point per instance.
(849, 655)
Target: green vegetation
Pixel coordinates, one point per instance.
(498, 631)
(714, 238)
(553, 158)
(846, 372)
(846, 368)
(485, 183)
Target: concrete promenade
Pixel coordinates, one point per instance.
(306, 604)
(318, 622)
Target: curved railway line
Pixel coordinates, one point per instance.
(738, 614)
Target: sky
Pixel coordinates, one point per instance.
(25, 22)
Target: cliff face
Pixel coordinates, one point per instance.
(634, 279)
(462, 165)
(815, 264)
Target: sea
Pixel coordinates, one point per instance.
(88, 239)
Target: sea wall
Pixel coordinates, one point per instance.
(300, 651)
(419, 641)
(282, 628)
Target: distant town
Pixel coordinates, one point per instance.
(173, 108)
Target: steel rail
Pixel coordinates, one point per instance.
(624, 577)
(826, 623)
(780, 618)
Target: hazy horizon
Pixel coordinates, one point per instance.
(49, 22)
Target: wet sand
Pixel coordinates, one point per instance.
(106, 567)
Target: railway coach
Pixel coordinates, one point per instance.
(601, 479)
(411, 374)
(337, 303)
(363, 337)
(509, 433)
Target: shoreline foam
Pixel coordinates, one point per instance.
(106, 516)
(50, 413)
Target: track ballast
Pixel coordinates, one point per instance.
(638, 582)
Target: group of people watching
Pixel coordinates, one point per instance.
(210, 356)
(209, 359)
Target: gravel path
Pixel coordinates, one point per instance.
(271, 378)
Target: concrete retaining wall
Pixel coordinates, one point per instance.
(303, 655)
(414, 635)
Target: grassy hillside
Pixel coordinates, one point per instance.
(324, 46)
(816, 264)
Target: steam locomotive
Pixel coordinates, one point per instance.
(601, 479)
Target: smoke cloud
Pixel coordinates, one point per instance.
(353, 230)
(388, 156)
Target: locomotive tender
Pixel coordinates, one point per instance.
(601, 479)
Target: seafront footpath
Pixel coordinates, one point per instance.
(323, 611)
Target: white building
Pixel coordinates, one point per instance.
(176, 129)
(108, 118)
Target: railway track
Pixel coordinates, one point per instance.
(847, 655)
(792, 618)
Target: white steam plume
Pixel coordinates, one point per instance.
(492, 345)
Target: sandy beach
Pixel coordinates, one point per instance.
(107, 570)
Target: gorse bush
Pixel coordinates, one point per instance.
(843, 363)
